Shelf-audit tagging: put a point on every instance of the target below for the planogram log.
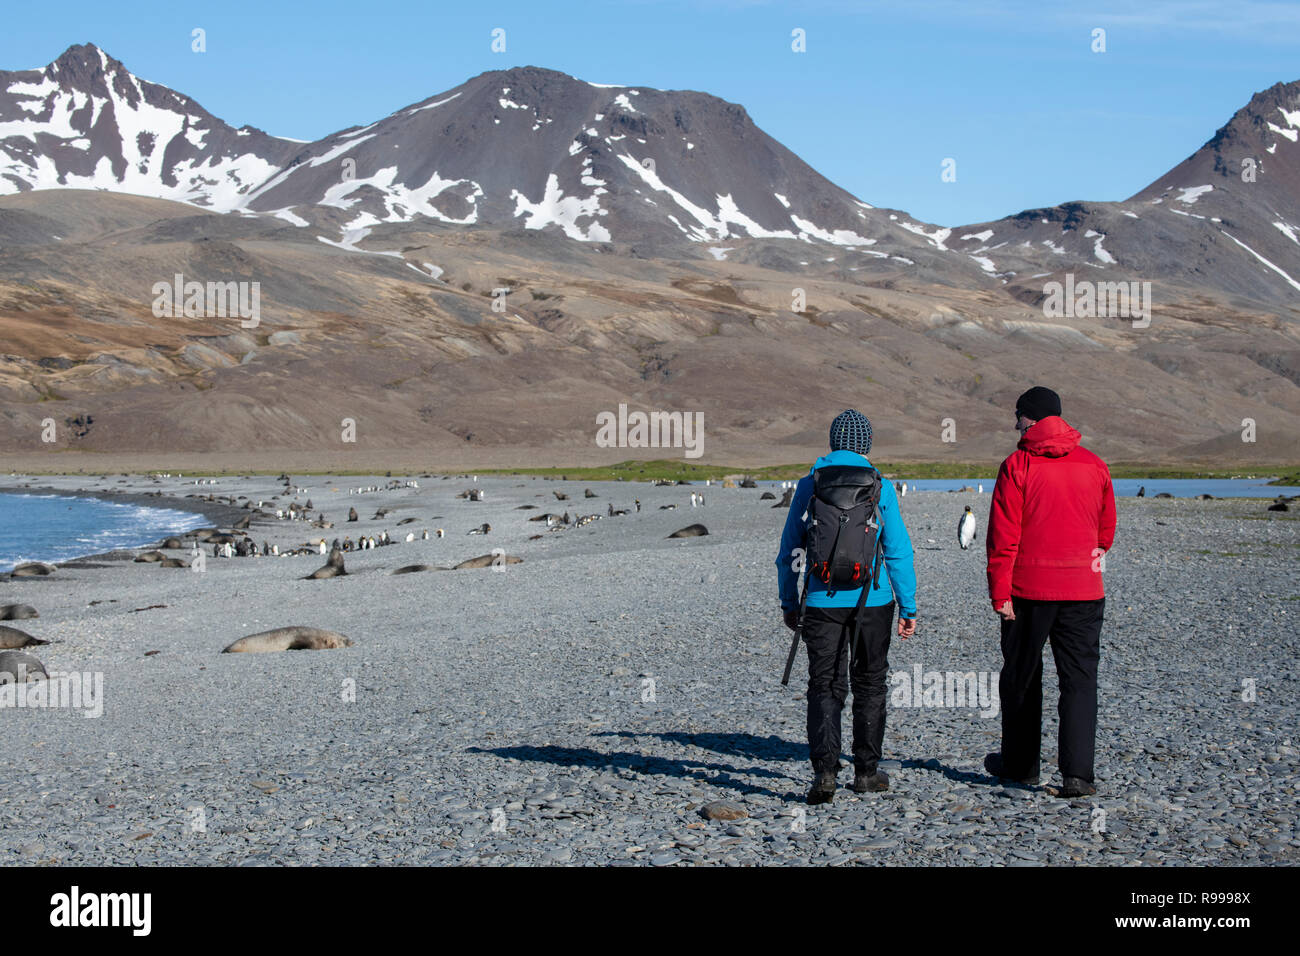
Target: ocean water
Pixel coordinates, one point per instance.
(1128, 487)
(55, 528)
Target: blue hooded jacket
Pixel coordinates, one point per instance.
(897, 578)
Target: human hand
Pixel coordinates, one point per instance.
(1006, 612)
(906, 627)
(791, 619)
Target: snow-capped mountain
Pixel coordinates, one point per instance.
(1227, 217)
(524, 147)
(86, 122)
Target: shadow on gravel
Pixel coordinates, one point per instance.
(775, 748)
(961, 776)
(742, 745)
(702, 771)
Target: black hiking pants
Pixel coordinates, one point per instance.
(1074, 628)
(837, 662)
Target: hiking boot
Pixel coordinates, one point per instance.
(1076, 787)
(823, 788)
(993, 764)
(873, 782)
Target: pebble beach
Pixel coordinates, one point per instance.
(615, 697)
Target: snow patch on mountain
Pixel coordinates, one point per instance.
(936, 238)
(556, 209)
(402, 203)
(429, 106)
(1192, 193)
(1291, 282)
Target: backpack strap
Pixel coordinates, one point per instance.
(879, 557)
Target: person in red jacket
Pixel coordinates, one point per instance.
(1050, 524)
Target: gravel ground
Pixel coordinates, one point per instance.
(584, 706)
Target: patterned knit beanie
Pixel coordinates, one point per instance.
(851, 431)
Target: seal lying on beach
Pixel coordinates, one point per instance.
(17, 612)
(288, 639)
(690, 531)
(487, 560)
(415, 568)
(11, 637)
(16, 664)
(32, 569)
(332, 569)
(150, 557)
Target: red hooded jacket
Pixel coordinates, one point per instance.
(1053, 508)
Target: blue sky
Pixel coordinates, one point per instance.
(885, 92)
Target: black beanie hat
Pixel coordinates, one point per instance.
(851, 431)
(1038, 403)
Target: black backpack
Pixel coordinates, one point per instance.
(843, 542)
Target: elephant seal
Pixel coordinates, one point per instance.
(487, 560)
(767, 496)
(288, 639)
(173, 563)
(407, 521)
(333, 567)
(32, 569)
(11, 637)
(150, 557)
(15, 665)
(17, 612)
(690, 531)
(415, 568)
(172, 544)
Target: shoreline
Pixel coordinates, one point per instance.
(219, 513)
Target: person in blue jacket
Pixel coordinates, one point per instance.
(828, 626)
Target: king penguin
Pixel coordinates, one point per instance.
(966, 529)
